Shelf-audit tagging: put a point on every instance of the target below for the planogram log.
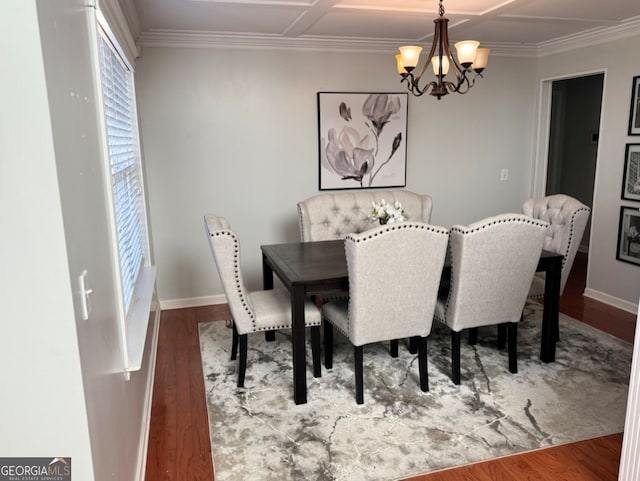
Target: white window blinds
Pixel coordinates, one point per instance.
(124, 158)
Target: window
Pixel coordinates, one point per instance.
(136, 276)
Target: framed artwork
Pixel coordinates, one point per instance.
(634, 112)
(631, 179)
(362, 139)
(629, 235)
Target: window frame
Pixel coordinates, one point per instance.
(134, 313)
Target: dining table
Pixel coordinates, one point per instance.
(320, 267)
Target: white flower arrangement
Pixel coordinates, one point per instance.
(387, 213)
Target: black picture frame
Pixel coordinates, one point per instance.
(631, 175)
(634, 111)
(362, 140)
(628, 249)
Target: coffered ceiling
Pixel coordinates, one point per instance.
(526, 25)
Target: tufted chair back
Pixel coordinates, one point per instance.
(567, 218)
(225, 247)
(333, 216)
(492, 263)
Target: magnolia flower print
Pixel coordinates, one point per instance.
(348, 153)
(379, 108)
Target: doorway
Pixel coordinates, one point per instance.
(573, 139)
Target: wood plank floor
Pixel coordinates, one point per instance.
(179, 446)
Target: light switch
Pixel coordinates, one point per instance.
(504, 175)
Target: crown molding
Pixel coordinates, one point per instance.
(191, 39)
(590, 38)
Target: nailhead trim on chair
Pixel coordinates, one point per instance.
(530, 220)
(392, 227)
(571, 237)
(397, 226)
(238, 284)
(236, 271)
(571, 232)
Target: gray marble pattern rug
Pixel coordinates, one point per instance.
(258, 433)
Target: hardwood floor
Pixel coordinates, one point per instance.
(179, 446)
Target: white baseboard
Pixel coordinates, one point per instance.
(612, 301)
(192, 302)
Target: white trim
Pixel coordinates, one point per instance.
(630, 458)
(116, 18)
(138, 320)
(193, 302)
(590, 38)
(612, 301)
(204, 39)
(143, 449)
(538, 182)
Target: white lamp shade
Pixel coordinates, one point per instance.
(467, 51)
(400, 65)
(482, 58)
(435, 62)
(410, 55)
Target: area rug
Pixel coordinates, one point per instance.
(258, 433)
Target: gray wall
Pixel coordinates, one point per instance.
(64, 391)
(234, 132)
(608, 279)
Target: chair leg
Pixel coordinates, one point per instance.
(473, 336)
(455, 357)
(234, 341)
(328, 344)
(270, 336)
(242, 365)
(413, 345)
(422, 364)
(393, 347)
(502, 335)
(315, 351)
(512, 332)
(357, 360)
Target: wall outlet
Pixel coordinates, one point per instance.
(504, 175)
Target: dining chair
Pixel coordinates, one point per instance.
(394, 273)
(567, 218)
(492, 263)
(266, 310)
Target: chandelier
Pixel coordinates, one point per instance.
(471, 61)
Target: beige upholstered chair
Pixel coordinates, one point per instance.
(253, 311)
(492, 263)
(332, 216)
(394, 274)
(567, 218)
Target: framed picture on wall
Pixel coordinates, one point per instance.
(634, 112)
(362, 139)
(629, 235)
(631, 179)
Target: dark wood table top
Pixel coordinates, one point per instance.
(317, 265)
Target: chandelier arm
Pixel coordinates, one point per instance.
(436, 41)
(458, 70)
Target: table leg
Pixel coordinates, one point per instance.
(299, 358)
(267, 284)
(550, 312)
(267, 275)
